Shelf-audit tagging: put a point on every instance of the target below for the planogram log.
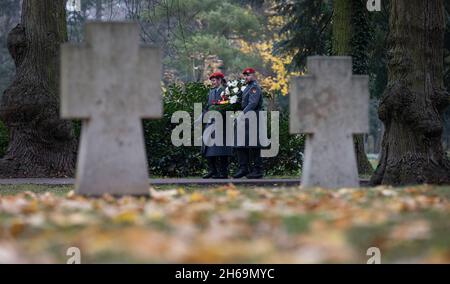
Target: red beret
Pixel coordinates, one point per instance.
(216, 75)
(248, 71)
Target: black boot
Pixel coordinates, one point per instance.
(257, 170)
(212, 169)
(243, 156)
(241, 173)
(256, 174)
(222, 167)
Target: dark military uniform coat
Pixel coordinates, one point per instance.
(214, 95)
(252, 100)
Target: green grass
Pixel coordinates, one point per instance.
(39, 189)
(374, 163)
(63, 190)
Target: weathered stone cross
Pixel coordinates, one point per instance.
(111, 84)
(329, 105)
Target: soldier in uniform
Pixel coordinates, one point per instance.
(249, 156)
(217, 156)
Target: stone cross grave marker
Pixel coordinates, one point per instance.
(329, 105)
(111, 84)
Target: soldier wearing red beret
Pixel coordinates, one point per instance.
(248, 70)
(217, 156)
(249, 156)
(218, 75)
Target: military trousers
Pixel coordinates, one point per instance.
(250, 158)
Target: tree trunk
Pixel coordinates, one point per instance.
(98, 10)
(343, 33)
(342, 28)
(415, 98)
(41, 145)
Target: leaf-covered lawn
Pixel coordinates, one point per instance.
(227, 225)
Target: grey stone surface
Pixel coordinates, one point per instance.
(168, 181)
(329, 105)
(111, 84)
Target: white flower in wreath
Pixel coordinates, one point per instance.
(243, 88)
(234, 84)
(236, 90)
(227, 91)
(233, 99)
(234, 115)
